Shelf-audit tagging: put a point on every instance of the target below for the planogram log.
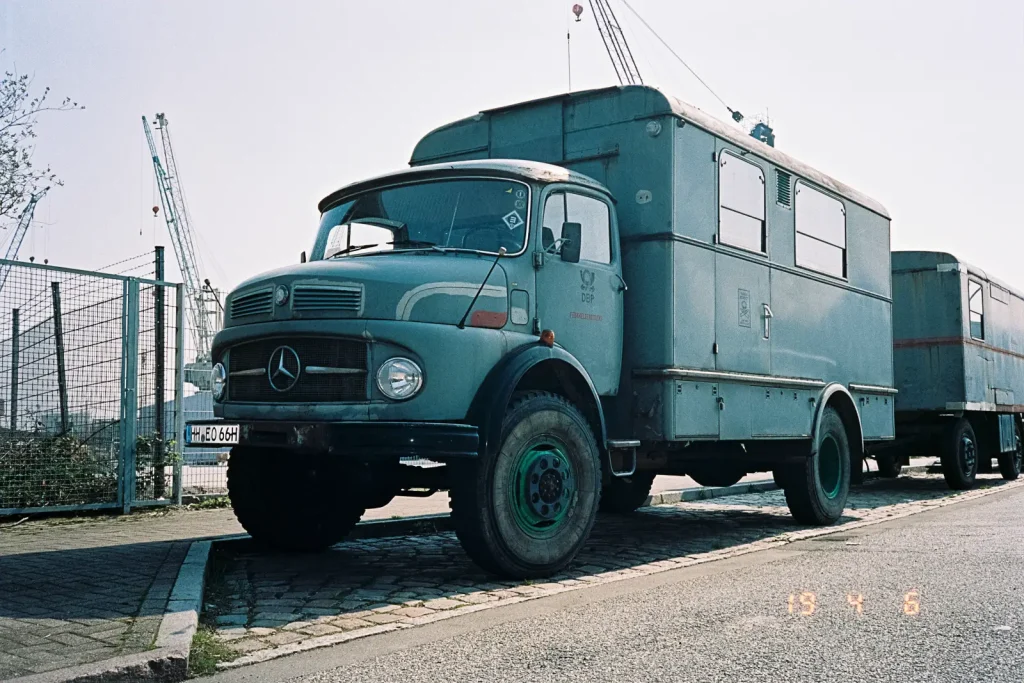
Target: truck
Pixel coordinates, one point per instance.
(958, 350)
(557, 301)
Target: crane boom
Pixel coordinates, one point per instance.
(172, 198)
(615, 43)
(19, 233)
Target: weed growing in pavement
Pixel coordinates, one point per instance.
(207, 652)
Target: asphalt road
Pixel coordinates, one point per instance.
(933, 597)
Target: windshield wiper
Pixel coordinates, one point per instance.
(416, 244)
(354, 247)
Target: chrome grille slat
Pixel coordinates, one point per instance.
(332, 371)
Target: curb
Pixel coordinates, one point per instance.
(168, 662)
(708, 492)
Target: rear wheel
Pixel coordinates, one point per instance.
(1010, 462)
(960, 455)
(889, 465)
(526, 509)
(625, 494)
(292, 503)
(816, 489)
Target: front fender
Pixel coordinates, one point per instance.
(492, 398)
(839, 397)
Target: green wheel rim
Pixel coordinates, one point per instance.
(969, 455)
(541, 488)
(830, 474)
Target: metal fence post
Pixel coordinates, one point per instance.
(129, 392)
(58, 342)
(15, 341)
(179, 387)
(160, 344)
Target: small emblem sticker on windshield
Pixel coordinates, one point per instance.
(513, 220)
(520, 204)
(520, 194)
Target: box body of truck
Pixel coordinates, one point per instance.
(959, 358)
(755, 282)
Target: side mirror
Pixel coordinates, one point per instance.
(302, 257)
(571, 235)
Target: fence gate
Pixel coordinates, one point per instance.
(91, 372)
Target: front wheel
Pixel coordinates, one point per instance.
(526, 509)
(289, 503)
(816, 489)
(960, 456)
(1010, 462)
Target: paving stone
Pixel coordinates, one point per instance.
(283, 638)
(412, 612)
(320, 630)
(346, 624)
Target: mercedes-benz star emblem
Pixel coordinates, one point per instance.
(283, 369)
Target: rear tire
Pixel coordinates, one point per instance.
(960, 456)
(889, 466)
(291, 503)
(816, 489)
(1010, 462)
(622, 495)
(526, 509)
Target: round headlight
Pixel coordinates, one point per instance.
(281, 295)
(399, 378)
(220, 382)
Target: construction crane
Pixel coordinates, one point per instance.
(19, 234)
(202, 314)
(615, 43)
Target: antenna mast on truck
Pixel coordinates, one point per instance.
(200, 312)
(615, 43)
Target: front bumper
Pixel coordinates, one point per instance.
(357, 440)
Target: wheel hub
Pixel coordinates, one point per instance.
(542, 489)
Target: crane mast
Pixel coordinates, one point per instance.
(179, 225)
(615, 43)
(19, 234)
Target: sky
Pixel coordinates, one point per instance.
(273, 105)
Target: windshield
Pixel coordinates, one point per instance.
(474, 214)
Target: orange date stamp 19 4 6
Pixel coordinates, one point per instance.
(805, 603)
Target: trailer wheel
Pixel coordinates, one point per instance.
(889, 465)
(526, 509)
(816, 489)
(288, 503)
(622, 495)
(960, 455)
(1010, 462)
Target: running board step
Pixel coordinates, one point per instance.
(624, 452)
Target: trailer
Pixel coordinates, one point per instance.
(958, 340)
(559, 300)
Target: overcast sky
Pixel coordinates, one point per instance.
(273, 105)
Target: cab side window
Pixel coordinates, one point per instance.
(593, 217)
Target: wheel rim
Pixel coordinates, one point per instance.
(541, 489)
(968, 454)
(830, 474)
(1018, 453)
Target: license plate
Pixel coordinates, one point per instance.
(196, 435)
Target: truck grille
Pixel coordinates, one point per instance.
(256, 303)
(331, 370)
(328, 298)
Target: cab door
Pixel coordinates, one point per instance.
(582, 302)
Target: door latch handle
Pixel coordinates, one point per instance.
(624, 287)
(768, 315)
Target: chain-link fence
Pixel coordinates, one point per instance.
(91, 375)
(203, 470)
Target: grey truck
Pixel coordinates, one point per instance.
(557, 301)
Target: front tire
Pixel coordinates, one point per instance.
(291, 503)
(816, 489)
(1010, 463)
(960, 456)
(526, 509)
(622, 495)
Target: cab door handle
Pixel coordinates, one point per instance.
(623, 282)
(768, 315)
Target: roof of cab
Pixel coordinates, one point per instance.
(498, 168)
(919, 261)
(660, 103)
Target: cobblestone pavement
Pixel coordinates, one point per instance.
(80, 591)
(264, 605)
